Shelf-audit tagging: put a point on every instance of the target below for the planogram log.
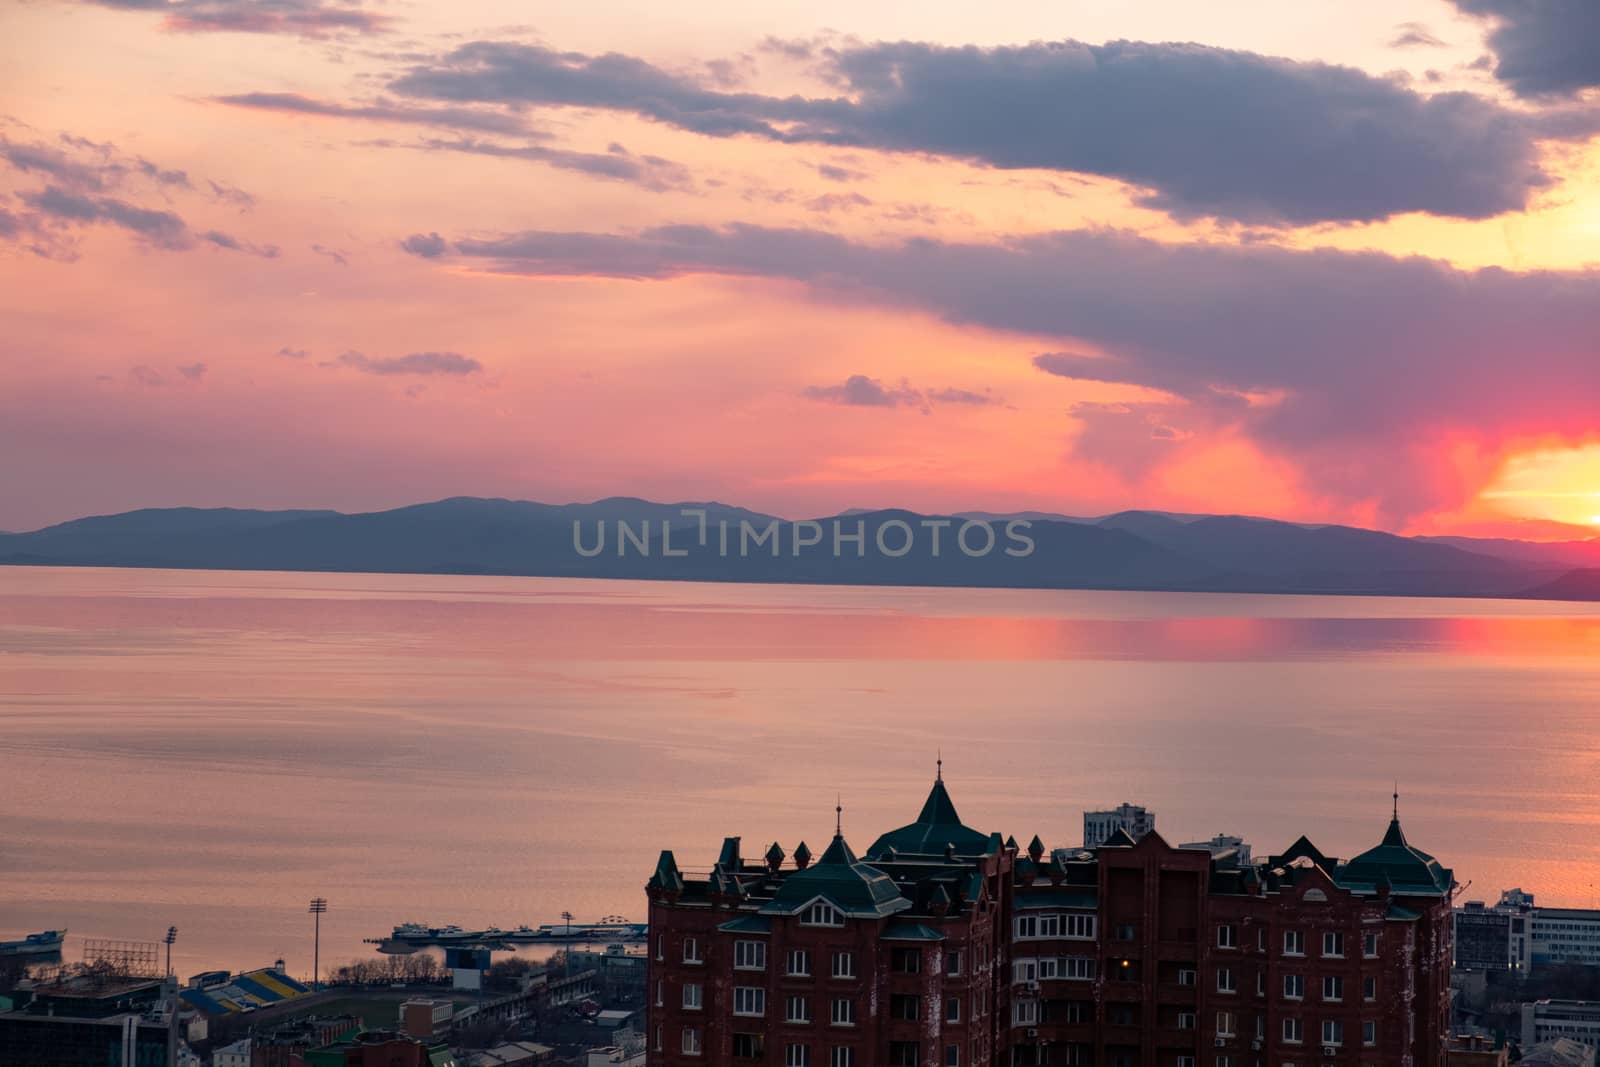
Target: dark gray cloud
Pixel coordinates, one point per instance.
(235, 244)
(462, 118)
(301, 18)
(615, 164)
(1414, 35)
(1542, 47)
(859, 390)
(426, 245)
(164, 229)
(194, 372)
(1357, 364)
(1207, 131)
(89, 183)
(447, 363)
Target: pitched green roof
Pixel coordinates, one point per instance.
(855, 888)
(748, 924)
(911, 932)
(1407, 871)
(937, 826)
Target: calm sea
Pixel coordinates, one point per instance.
(210, 750)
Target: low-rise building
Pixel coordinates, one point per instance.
(1548, 1020)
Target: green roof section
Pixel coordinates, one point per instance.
(667, 875)
(748, 924)
(858, 889)
(937, 827)
(911, 932)
(1396, 866)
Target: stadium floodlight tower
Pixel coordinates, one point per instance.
(318, 906)
(172, 935)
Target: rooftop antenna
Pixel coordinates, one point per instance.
(938, 764)
(838, 816)
(1397, 800)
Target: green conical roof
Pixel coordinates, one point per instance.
(937, 825)
(1407, 870)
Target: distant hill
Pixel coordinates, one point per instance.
(1574, 585)
(625, 537)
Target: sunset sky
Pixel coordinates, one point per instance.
(1335, 260)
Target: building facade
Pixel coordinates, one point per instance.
(1551, 1020)
(1132, 819)
(947, 947)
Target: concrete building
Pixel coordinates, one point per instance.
(946, 947)
(238, 1054)
(1131, 819)
(1224, 847)
(1548, 1020)
(426, 1017)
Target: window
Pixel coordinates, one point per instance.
(906, 960)
(1293, 1031)
(1261, 983)
(1369, 1032)
(749, 955)
(844, 965)
(661, 946)
(1224, 1024)
(1186, 976)
(1125, 932)
(797, 1056)
(904, 1054)
(1024, 970)
(1369, 988)
(749, 1000)
(1048, 967)
(1186, 1020)
(658, 1037)
(1294, 943)
(1333, 944)
(1026, 926)
(1369, 945)
(1024, 1012)
(1049, 926)
(1224, 1061)
(749, 1046)
(1185, 1061)
(1227, 936)
(822, 914)
(691, 1041)
(952, 1056)
(844, 1011)
(691, 996)
(842, 1057)
(1332, 987)
(798, 963)
(1294, 986)
(1078, 968)
(952, 963)
(904, 1006)
(1078, 927)
(691, 952)
(1225, 982)
(661, 992)
(1332, 1032)
(797, 1009)
(952, 1010)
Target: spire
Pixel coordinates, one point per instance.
(1397, 800)
(938, 764)
(838, 816)
(1395, 836)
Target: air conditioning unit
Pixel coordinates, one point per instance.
(1256, 1045)
(1033, 1031)
(1031, 986)
(1330, 1050)
(1222, 1042)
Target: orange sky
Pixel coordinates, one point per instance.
(801, 257)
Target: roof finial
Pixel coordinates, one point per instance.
(938, 764)
(838, 816)
(1397, 799)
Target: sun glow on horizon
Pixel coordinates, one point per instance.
(1550, 484)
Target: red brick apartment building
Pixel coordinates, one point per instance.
(946, 947)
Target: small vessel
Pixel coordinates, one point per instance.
(35, 944)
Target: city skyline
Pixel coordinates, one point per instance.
(1334, 268)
